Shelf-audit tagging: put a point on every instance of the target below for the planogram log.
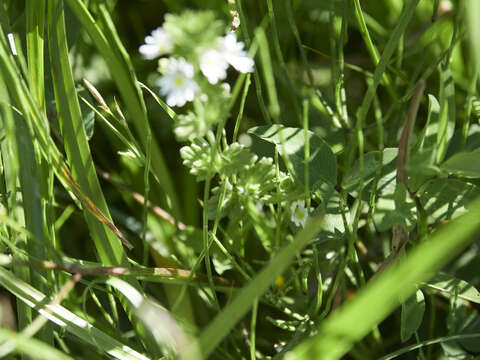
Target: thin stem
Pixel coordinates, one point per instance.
(372, 50)
(253, 325)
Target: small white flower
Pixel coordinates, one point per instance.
(234, 53)
(213, 65)
(177, 82)
(299, 213)
(158, 43)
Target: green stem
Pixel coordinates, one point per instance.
(372, 50)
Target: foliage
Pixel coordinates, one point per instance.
(239, 180)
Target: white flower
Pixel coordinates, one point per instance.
(177, 83)
(213, 65)
(299, 212)
(214, 62)
(234, 53)
(159, 42)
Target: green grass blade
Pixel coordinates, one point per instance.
(227, 319)
(472, 11)
(372, 50)
(36, 122)
(108, 246)
(35, 19)
(10, 164)
(122, 72)
(66, 319)
(390, 47)
(376, 301)
(32, 347)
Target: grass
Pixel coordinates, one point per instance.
(131, 229)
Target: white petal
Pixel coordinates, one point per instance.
(159, 42)
(242, 63)
(149, 51)
(213, 65)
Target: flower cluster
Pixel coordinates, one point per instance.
(181, 78)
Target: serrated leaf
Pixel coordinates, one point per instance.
(451, 286)
(412, 315)
(188, 127)
(290, 143)
(464, 164)
(446, 199)
(198, 157)
(234, 158)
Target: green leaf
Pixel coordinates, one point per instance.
(446, 199)
(464, 164)
(397, 208)
(451, 287)
(290, 143)
(387, 180)
(446, 125)
(421, 167)
(89, 122)
(412, 315)
(203, 164)
(356, 318)
(427, 139)
(243, 301)
(334, 227)
(472, 11)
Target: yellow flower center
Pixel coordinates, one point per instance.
(179, 81)
(299, 214)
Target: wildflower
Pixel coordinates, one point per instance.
(213, 65)
(214, 62)
(234, 53)
(177, 83)
(159, 42)
(299, 213)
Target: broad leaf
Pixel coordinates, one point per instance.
(451, 286)
(412, 315)
(397, 208)
(371, 166)
(445, 199)
(290, 143)
(464, 164)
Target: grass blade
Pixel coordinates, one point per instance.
(66, 319)
(120, 67)
(33, 348)
(376, 301)
(226, 320)
(108, 246)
